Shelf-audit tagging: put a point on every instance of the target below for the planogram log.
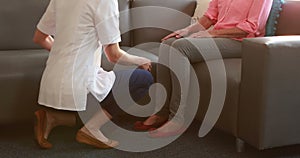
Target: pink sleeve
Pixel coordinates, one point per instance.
(257, 17)
(212, 11)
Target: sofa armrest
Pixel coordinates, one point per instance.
(269, 95)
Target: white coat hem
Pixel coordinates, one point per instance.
(61, 107)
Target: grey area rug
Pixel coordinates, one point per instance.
(18, 141)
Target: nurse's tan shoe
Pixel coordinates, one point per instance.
(87, 139)
(39, 129)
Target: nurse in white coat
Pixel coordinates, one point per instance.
(80, 29)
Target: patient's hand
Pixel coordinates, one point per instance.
(177, 34)
(201, 34)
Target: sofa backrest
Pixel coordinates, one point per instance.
(18, 19)
(124, 6)
(288, 21)
(158, 18)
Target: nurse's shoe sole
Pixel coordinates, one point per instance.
(82, 137)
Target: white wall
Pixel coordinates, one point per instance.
(201, 7)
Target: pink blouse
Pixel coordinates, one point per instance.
(248, 15)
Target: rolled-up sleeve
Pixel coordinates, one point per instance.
(47, 22)
(257, 17)
(107, 22)
(212, 11)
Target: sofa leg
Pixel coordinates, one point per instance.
(240, 145)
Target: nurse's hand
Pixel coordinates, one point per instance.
(147, 67)
(146, 64)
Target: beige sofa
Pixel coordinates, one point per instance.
(22, 62)
(268, 112)
(262, 101)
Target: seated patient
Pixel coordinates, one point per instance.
(73, 75)
(232, 21)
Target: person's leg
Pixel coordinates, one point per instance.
(139, 83)
(185, 52)
(93, 118)
(136, 82)
(47, 119)
(91, 134)
(180, 66)
(59, 118)
(163, 77)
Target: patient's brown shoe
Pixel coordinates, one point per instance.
(87, 139)
(39, 129)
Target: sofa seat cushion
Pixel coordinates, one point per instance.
(20, 74)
